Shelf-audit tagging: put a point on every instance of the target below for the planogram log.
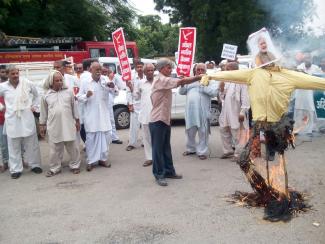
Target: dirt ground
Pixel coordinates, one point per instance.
(123, 204)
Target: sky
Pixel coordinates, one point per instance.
(146, 7)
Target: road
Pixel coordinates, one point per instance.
(123, 204)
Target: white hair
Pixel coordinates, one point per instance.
(145, 67)
(162, 62)
(11, 67)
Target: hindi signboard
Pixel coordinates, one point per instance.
(319, 101)
(186, 50)
(120, 49)
(229, 51)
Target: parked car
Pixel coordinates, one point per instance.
(114, 64)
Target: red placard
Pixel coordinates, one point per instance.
(186, 50)
(120, 49)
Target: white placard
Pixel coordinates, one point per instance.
(229, 51)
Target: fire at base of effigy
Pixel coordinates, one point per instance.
(269, 179)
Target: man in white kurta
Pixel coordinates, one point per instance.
(59, 117)
(134, 107)
(94, 94)
(142, 92)
(20, 98)
(233, 119)
(304, 112)
(197, 114)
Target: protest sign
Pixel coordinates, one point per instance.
(121, 51)
(229, 51)
(186, 50)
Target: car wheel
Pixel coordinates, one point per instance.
(215, 113)
(122, 118)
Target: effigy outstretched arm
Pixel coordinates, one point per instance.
(234, 76)
(304, 81)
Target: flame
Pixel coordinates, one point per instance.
(278, 176)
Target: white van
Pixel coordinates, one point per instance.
(113, 63)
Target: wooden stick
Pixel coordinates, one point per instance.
(283, 162)
(267, 172)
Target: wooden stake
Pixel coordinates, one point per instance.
(283, 162)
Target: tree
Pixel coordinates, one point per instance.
(155, 38)
(231, 21)
(50, 18)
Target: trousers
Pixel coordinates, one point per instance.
(162, 160)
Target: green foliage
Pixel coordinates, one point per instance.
(156, 39)
(85, 18)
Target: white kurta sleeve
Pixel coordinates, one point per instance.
(74, 107)
(43, 112)
(129, 97)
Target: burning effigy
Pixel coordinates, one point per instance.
(270, 88)
(270, 184)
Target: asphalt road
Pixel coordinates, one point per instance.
(123, 204)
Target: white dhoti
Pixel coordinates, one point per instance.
(134, 129)
(230, 137)
(304, 121)
(200, 148)
(97, 144)
(32, 153)
(147, 141)
(56, 155)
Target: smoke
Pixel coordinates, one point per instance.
(293, 26)
(317, 25)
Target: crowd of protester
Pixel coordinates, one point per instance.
(76, 113)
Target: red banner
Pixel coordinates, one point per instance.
(43, 56)
(120, 49)
(186, 50)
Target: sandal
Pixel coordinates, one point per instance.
(75, 171)
(89, 167)
(186, 153)
(104, 164)
(202, 157)
(51, 173)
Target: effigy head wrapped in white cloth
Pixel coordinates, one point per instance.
(262, 49)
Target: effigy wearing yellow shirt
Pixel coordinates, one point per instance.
(269, 89)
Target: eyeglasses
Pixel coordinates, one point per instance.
(200, 69)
